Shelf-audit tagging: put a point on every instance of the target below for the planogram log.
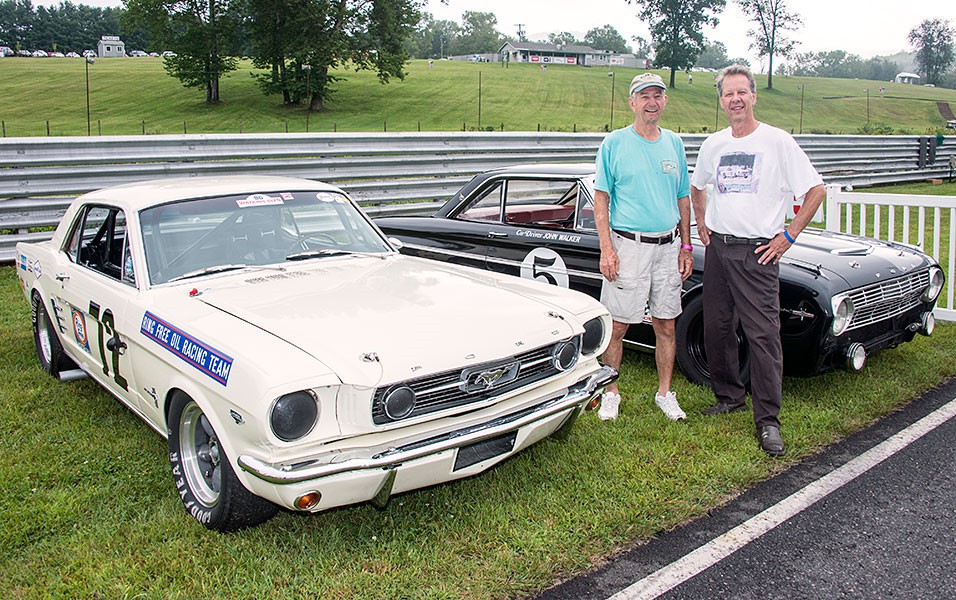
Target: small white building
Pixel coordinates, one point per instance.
(110, 45)
(907, 78)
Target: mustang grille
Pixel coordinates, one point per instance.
(887, 299)
(444, 390)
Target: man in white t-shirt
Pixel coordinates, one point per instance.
(756, 172)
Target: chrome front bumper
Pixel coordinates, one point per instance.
(576, 397)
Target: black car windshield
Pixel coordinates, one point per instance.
(190, 236)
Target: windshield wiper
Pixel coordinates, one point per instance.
(332, 252)
(208, 271)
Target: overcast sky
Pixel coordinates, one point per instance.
(864, 27)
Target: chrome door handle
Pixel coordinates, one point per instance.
(497, 234)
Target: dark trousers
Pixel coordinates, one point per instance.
(739, 290)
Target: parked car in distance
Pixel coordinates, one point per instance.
(136, 53)
(290, 355)
(7, 51)
(72, 55)
(40, 54)
(842, 297)
(24, 53)
(169, 54)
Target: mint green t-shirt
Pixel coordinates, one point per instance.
(644, 179)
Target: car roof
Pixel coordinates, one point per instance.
(575, 169)
(143, 194)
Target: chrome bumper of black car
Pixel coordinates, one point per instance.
(576, 397)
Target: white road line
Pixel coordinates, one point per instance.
(679, 571)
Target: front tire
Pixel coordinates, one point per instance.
(49, 350)
(691, 353)
(203, 475)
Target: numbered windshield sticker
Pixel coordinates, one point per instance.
(545, 265)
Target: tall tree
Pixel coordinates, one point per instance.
(933, 41)
(198, 31)
(478, 33)
(676, 29)
(771, 18)
(714, 56)
(606, 38)
(431, 38)
(564, 38)
(306, 40)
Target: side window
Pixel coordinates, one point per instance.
(586, 213)
(99, 242)
(542, 202)
(486, 207)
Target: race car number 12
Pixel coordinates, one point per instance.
(116, 346)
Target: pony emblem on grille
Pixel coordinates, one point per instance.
(483, 379)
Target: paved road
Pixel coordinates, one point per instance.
(881, 523)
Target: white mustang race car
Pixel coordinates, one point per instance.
(290, 355)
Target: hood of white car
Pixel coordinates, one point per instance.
(378, 320)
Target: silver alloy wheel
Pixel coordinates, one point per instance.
(199, 447)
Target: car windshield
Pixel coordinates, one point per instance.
(196, 237)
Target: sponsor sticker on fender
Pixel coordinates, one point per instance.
(207, 359)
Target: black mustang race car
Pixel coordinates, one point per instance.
(842, 297)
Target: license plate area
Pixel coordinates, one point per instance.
(485, 449)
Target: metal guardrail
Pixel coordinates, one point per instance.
(386, 173)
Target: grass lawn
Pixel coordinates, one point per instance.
(88, 509)
(131, 96)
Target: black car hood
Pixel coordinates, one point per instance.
(857, 260)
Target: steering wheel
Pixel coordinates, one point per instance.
(302, 242)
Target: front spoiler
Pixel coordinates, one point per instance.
(577, 396)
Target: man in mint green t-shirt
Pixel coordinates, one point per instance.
(642, 214)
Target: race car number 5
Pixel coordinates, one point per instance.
(546, 265)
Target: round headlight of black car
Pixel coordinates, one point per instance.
(935, 285)
(294, 415)
(842, 314)
(399, 402)
(593, 336)
(565, 355)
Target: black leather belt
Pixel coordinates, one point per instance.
(647, 239)
(731, 240)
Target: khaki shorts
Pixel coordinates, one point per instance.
(648, 279)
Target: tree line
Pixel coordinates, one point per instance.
(299, 45)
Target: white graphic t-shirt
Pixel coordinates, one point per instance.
(755, 180)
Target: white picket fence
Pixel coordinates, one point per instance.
(923, 221)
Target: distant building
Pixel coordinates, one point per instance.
(907, 78)
(110, 45)
(567, 54)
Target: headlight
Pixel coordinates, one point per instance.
(935, 285)
(593, 336)
(842, 314)
(565, 355)
(294, 415)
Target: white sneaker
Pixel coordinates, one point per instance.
(669, 405)
(610, 402)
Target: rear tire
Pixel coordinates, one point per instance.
(203, 475)
(49, 350)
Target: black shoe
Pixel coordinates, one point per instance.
(770, 440)
(722, 408)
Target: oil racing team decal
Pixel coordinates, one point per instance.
(207, 359)
(79, 329)
(545, 265)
